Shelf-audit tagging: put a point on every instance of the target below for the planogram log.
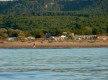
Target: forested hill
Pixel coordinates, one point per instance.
(38, 17)
(100, 6)
(38, 6)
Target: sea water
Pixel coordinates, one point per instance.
(54, 64)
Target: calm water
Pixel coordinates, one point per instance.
(54, 64)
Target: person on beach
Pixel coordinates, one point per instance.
(34, 45)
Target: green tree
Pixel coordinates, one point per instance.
(3, 32)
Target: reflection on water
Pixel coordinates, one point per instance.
(54, 64)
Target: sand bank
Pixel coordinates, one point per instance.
(37, 44)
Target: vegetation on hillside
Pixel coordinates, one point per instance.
(38, 17)
(56, 25)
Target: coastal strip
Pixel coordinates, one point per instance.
(36, 44)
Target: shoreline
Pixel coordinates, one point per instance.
(43, 45)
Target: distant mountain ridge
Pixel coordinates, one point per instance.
(35, 6)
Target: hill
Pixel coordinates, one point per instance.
(38, 17)
(100, 6)
(34, 7)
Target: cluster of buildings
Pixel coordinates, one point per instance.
(15, 38)
(85, 37)
(65, 36)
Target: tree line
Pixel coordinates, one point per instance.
(47, 7)
(27, 25)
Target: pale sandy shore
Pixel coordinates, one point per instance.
(69, 44)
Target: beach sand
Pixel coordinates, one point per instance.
(46, 44)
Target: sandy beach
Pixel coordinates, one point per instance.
(38, 44)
